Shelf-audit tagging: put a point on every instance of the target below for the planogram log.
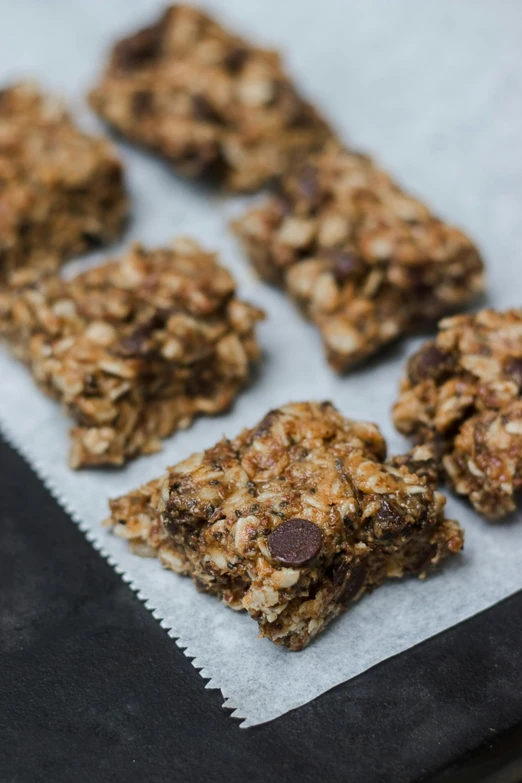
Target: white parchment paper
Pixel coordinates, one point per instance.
(433, 89)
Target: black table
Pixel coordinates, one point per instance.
(93, 689)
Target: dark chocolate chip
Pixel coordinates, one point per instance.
(419, 563)
(513, 369)
(142, 102)
(355, 576)
(235, 59)
(388, 521)
(338, 571)
(90, 386)
(429, 362)
(206, 163)
(203, 110)
(295, 542)
(93, 239)
(345, 265)
(142, 48)
(176, 517)
(137, 342)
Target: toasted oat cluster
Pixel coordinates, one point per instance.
(364, 260)
(461, 402)
(133, 349)
(216, 107)
(61, 191)
(292, 520)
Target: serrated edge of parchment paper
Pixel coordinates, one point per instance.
(197, 662)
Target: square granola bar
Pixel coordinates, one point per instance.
(61, 190)
(133, 349)
(208, 101)
(461, 402)
(292, 520)
(365, 261)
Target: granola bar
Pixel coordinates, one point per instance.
(61, 191)
(133, 349)
(461, 403)
(292, 520)
(365, 261)
(213, 105)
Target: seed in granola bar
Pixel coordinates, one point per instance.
(295, 542)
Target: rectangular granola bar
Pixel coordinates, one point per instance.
(133, 349)
(292, 520)
(365, 261)
(61, 191)
(216, 107)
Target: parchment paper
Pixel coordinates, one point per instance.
(433, 89)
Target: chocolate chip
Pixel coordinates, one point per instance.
(176, 517)
(90, 386)
(345, 265)
(355, 576)
(295, 542)
(142, 48)
(513, 369)
(338, 570)
(422, 560)
(93, 239)
(137, 342)
(203, 382)
(235, 59)
(430, 362)
(203, 110)
(388, 521)
(142, 102)
(207, 163)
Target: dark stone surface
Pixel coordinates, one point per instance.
(93, 689)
